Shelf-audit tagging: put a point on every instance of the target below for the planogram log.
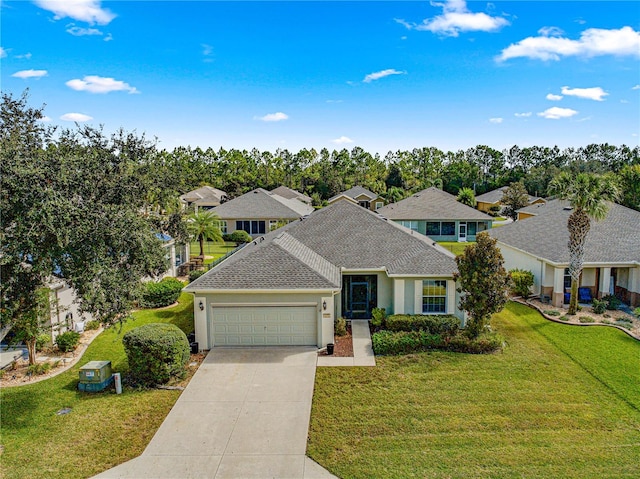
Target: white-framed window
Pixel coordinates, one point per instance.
(223, 226)
(411, 224)
(379, 204)
(434, 296)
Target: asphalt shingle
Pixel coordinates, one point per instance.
(263, 205)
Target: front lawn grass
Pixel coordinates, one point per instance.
(214, 250)
(102, 430)
(559, 401)
(454, 246)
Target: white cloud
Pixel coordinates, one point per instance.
(637, 87)
(45, 119)
(3, 53)
(593, 42)
(26, 56)
(334, 101)
(551, 32)
(207, 52)
(278, 116)
(343, 140)
(456, 18)
(555, 113)
(30, 74)
(381, 74)
(88, 11)
(108, 37)
(79, 117)
(496, 121)
(82, 32)
(595, 93)
(523, 115)
(553, 97)
(97, 84)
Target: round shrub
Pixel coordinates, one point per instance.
(193, 275)
(161, 293)
(156, 353)
(340, 326)
(41, 341)
(92, 325)
(68, 341)
(522, 280)
(240, 236)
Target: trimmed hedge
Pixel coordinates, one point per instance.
(158, 294)
(238, 236)
(156, 352)
(404, 342)
(445, 325)
(67, 341)
(522, 280)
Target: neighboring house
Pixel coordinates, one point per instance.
(287, 287)
(259, 212)
(360, 196)
(491, 198)
(438, 215)
(290, 194)
(529, 211)
(65, 313)
(205, 197)
(176, 254)
(611, 255)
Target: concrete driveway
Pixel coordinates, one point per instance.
(245, 414)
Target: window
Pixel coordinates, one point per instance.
(433, 228)
(251, 227)
(567, 279)
(434, 296)
(411, 224)
(482, 226)
(448, 228)
(364, 204)
(223, 226)
(471, 228)
(379, 204)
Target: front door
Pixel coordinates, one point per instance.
(359, 296)
(462, 232)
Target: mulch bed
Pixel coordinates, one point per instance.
(343, 346)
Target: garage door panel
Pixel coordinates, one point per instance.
(264, 326)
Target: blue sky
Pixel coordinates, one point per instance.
(379, 75)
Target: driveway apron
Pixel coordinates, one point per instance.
(245, 414)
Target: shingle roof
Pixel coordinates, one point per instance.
(262, 204)
(495, 196)
(290, 194)
(616, 239)
(204, 195)
(431, 204)
(354, 193)
(310, 253)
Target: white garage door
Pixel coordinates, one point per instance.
(264, 326)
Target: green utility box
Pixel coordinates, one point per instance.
(95, 372)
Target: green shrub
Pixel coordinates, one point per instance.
(483, 344)
(403, 342)
(239, 236)
(625, 323)
(522, 280)
(92, 325)
(38, 369)
(598, 306)
(67, 341)
(586, 319)
(494, 210)
(612, 302)
(564, 317)
(637, 312)
(445, 325)
(378, 317)
(156, 352)
(340, 327)
(193, 275)
(552, 312)
(41, 341)
(161, 293)
(1, 373)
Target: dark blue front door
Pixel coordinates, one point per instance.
(359, 295)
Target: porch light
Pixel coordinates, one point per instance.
(201, 306)
(324, 305)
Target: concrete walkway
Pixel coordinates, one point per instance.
(362, 350)
(245, 414)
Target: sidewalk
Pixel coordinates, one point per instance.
(362, 349)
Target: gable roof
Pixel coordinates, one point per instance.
(310, 253)
(262, 204)
(291, 194)
(355, 192)
(205, 195)
(431, 204)
(616, 239)
(495, 196)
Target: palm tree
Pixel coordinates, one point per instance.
(203, 226)
(588, 195)
(467, 197)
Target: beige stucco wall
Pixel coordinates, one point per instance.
(517, 259)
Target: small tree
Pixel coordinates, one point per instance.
(466, 196)
(522, 280)
(204, 226)
(483, 281)
(515, 196)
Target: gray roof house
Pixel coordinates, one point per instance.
(286, 287)
(439, 215)
(205, 197)
(259, 212)
(291, 194)
(361, 196)
(485, 201)
(539, 244)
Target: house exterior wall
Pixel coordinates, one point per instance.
(484, 206)
(422, 228)
(517, 259)
(524, 216)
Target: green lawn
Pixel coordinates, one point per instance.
(559, 402)
(211, 249)
(102, 429)
(455, 247)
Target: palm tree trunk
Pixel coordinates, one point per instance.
(201, 241)
(579, 225)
